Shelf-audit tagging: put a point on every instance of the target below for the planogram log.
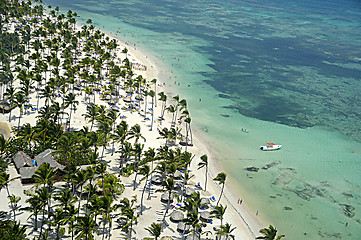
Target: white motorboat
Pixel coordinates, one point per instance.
(270, 147)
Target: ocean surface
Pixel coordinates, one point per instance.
(287, 71)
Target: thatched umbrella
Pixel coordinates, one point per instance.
(176, 216)
(165, 196)
(182, 227)
(5, 130)
(4, 107)
(189, 191)
(205, 216)
(115, 108)
(205, 202)
(192, 236)
(177, 174)
(157, 179)
(166, 238)
(178, 185)
(127, 99)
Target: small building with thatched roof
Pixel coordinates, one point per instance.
(22, 160)
(47, 156)
(26, 166)
(26, 174)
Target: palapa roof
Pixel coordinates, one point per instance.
(22, 160)
(27, 172)
(47, 156)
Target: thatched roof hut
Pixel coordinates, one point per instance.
(205, 216)
(26, 166)
(5, 130)
(26, 174)
(22, 160)
(176, 216)
(182, 227)
(165, 196)
(47, 156)
(5, 107)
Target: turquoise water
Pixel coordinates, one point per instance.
(289, 72)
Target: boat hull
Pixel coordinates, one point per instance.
(270, 147)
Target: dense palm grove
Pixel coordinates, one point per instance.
(42, 58)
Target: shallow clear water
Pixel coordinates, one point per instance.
(289, 72)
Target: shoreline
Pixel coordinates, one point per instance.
(253, 225)
(200, 147)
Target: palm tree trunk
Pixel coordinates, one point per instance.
(10, 115)
(90, 189)
(151, 126)
(220, 195)
(36, 221)
(141, 200)
(81, 191)
(186, 136)
(168, 204)
(42, 223)
(19, 119)
(11, 202)
(205, 184)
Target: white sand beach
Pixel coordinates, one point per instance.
(247, 224)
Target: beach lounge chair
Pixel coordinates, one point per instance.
(213, 199)
(179, 204)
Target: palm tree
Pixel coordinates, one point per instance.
(145, 170)
(154, 81)
(163, 98)
(105, 205)
(105, 129)
(204, 163)
(168, 185)
(10, 94)
(138, 149)
(193, 220)
(20, 101)
(59, 219)
(172, 109)
(4, 181)
(155, 230)
(221, 179)
(44, 197)
(134, 132)
(226, 231)
(85, 227)
(14, 203)
(270, 233)
(128, 214)
(47, 93)
(44, 175)
(70, 100)
(35, 205)
(120, 134)
(218, 212)
(152, 94)
(91, 114)
(65, 198)
(80, 178)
